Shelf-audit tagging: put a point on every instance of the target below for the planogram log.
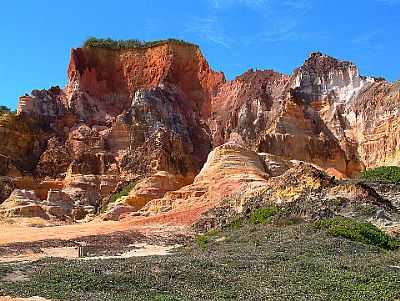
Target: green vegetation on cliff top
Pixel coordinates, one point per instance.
(129, 44)
(5, 110)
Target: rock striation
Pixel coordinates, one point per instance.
(229, 170)
(155, 114)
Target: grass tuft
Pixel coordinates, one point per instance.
(115, 196)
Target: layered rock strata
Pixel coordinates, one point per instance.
(155, 113)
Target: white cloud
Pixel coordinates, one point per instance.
(273, 21)
(209, 29)
(390, 2)
(249, 3)
(264, 4)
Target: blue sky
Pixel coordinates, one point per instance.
(234, 35)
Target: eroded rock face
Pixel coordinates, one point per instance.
(22, 203)
(230, 169)
(55, 160)
(247, 106)
(373, 119)
(322, 77)
(307, 194)
(58, 206)
(155, 187)
(156, 113)
(166, 133)
(264, 110)
(112, 77)
(6, 188)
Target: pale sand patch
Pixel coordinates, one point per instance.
(138, 250)
(15, 276)
(6, 298)
(28, 255)
(57, 252)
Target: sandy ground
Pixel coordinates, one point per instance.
(141, 236)
(6, 298)
(136, 250)
(168, 222)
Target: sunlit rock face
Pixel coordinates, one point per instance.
(166, 133)
(102, 82)
(322, 76)
(247, 106)
(230, 169)
(42, 103)
(264, 109)
(155, 114)
(123, 114)
(373, 122)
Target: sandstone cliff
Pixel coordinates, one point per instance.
(154, 114)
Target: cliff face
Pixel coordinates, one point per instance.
(323, 77)
(154, 114)
(291, 116)
(247, 105)
(123, 114)
(373, 121)
(113, 76)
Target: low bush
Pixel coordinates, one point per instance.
(382, 174)
(202, 241)
(263, 215)
(164, 298)
(357, 231)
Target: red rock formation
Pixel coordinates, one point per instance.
(139, 113)
(247, 106)
(270, 119)
(113, 76)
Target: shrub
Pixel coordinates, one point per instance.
(128, 44)
(123, 192)
(263, 215)
(202, 241)
(357, 231)
(384, 173)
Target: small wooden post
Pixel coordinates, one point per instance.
(83, 251)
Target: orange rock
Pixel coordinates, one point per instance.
(103, 73)
(155, 187)
(229, 169)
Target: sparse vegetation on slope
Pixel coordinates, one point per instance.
(357, 231)
(263, 215)
(255, 262)
(389, 174)
(128, 44)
